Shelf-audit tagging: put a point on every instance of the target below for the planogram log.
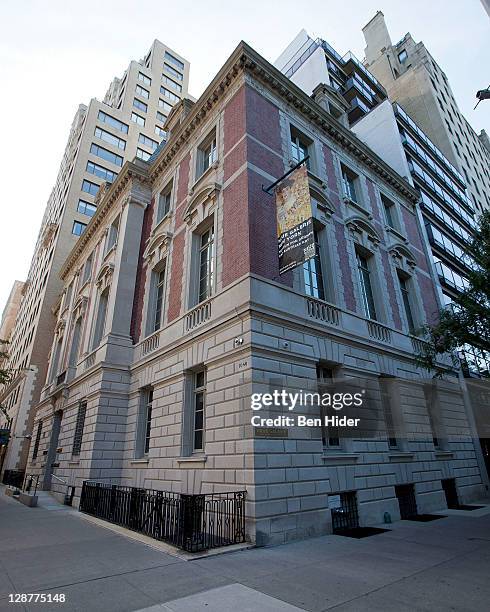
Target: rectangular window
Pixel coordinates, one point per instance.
(173, 60)
(78, 228)
(75, 343)
(165, 105)
(174, 98)
(206, 154)
(158, 293)
(199, 406)
(143, 431)
(299, 147)
(402, 56)
(87, 269)
(35, 450)
(173, 72)
(144, 155)
(430, 396)
(115, 123)
(148, 411)
(349, 180)
(101, 172)
(112, 236)
(80, 423)
(110, 138)
(206, 265)
(89, 187)
(144, 79)
(141, 105)
(390, 212)
(101, 317)
(144, 93)
(168, 81)
(55, 360)
(135, 118)
(160, 132)
(161, 117)
(386, 400)
(366, 287)
(149, 142)
(330, 434)
(312, 274)
(164, 201)
(85, 208)
(404, 288)
(107, 155)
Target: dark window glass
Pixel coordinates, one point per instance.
(365, 286)
(77, 438)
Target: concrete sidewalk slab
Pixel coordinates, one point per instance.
(426, 567)
(223, 599)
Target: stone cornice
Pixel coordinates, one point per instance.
(245, 60)
(131, 170)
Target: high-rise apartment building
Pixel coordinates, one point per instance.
(413, 78)
(128, 123)
(352, 88)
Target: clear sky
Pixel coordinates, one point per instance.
(55, 54)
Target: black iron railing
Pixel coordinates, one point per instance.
(190, 522)
(346, 517)
(14, 478)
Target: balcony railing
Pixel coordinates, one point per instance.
(89, 361)
(150, 344)
(379, 332)
(418, 345)
(191, 522)
(322, 311)
(198, 315)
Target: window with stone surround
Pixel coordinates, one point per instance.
(112, 235)
(407, 299)
(301, 147)
(207, 154)
(101, 318)
(156, 298)
(202, 265)
(79, 425)
(164, 202)
(144, 423)
(313, 273)
(56, 359)
(387, 398)
(433, 407)
(75, 343)
(364, 265)
(390, 212)
(350, 184)
(330, 434)
(199, 397)
(35, 450)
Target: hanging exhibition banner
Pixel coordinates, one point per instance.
(294, 220)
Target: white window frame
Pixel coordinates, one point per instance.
(206, 153)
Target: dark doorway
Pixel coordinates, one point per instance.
(450, 491)
(53, 445)
(406, 500)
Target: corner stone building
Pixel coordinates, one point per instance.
(174, 312)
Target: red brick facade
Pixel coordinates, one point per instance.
(177, 268)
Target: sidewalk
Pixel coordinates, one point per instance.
(438, 566)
